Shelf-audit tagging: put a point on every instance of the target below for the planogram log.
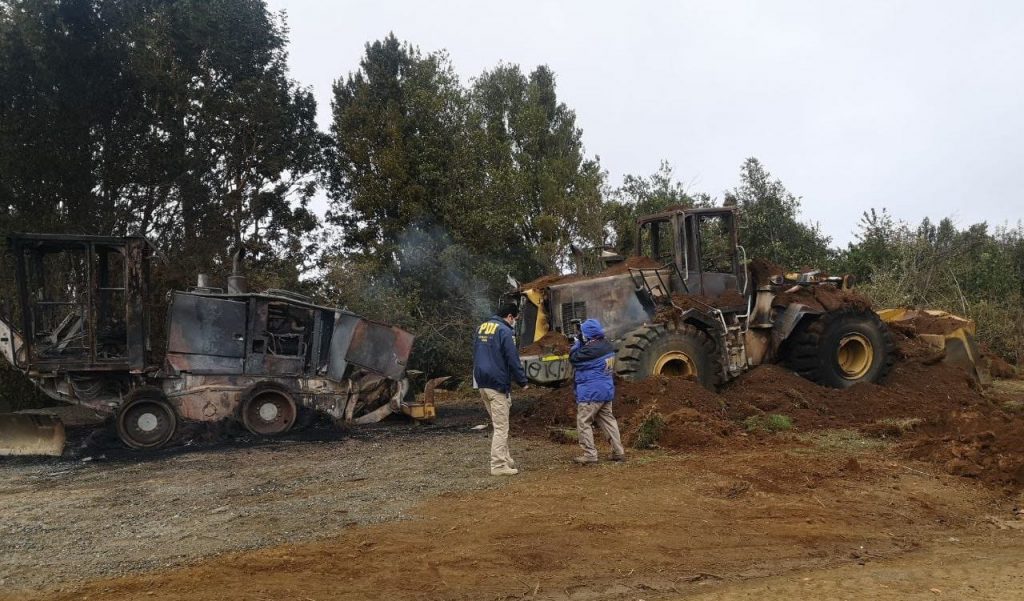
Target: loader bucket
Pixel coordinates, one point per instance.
(27, 434)
(955, 338)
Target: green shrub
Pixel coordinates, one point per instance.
(768, 423)
(649, 432)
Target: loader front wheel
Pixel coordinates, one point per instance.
(146, 421)
(669, 350)
(841, 348)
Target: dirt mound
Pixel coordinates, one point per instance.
(823, 297)
(554, 343)
(763, 270)
(547, 281)
(933, 411)
(999, 367)
(631, 263)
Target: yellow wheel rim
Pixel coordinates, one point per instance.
(855, 356)
(675, 363)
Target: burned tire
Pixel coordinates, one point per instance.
(268, 409)
(669, 350)
(841, 348)
(146, 421)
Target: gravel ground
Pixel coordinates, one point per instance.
(117, 513)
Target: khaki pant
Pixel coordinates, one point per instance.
(498, 405)
(587, 414)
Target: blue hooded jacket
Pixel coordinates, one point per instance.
(594, 363)
(495, 358)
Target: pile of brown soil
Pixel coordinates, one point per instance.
(553, 343)
(631, 263)
(762, 270)
(922, 323)
(933, 411)
(823, 297)
(546, 281)
(730, 299)
(999, 367)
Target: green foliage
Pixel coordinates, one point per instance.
(769, 218)
(971, 272)
(768, 423)
(644, 195)
(173, 119)
(649, 432)
(438, 191)
(533, 177)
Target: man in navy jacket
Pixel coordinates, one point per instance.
(495, 364)
(593, 359)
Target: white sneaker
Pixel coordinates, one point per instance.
(504, 471)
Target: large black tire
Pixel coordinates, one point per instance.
(841, 348)
(669, 349)
(146, 421)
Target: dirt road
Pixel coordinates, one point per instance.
(66, 521)
(408, 512)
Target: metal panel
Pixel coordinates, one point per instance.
(135, 303)
(380, 348)
(344, 329)
(612, 300)
(202, 325)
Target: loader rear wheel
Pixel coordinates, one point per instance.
(268, 410)
(146, 421)
(669, 350)
(841, 348)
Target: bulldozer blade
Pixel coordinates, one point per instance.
(28, 434)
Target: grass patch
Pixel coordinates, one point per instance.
(564, 435)
(841, 440)
(768, 423)
(898, 426)
(649, 432)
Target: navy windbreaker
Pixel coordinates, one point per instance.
(594, 363)
(495, 358)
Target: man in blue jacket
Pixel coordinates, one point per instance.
(593, 359)
(495, 364)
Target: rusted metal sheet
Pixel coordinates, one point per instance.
(381, 348)
(344, 329)
(209, 332)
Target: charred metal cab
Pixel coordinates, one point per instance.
(692, 308)
(83, 337)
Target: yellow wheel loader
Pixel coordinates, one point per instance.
(688, 303)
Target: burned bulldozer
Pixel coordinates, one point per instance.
(82, 335)
(689, 303)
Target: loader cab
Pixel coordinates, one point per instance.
(81, 301)
(701, 244)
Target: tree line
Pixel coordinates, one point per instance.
(179, 120)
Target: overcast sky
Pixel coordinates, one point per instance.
(913, 106)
